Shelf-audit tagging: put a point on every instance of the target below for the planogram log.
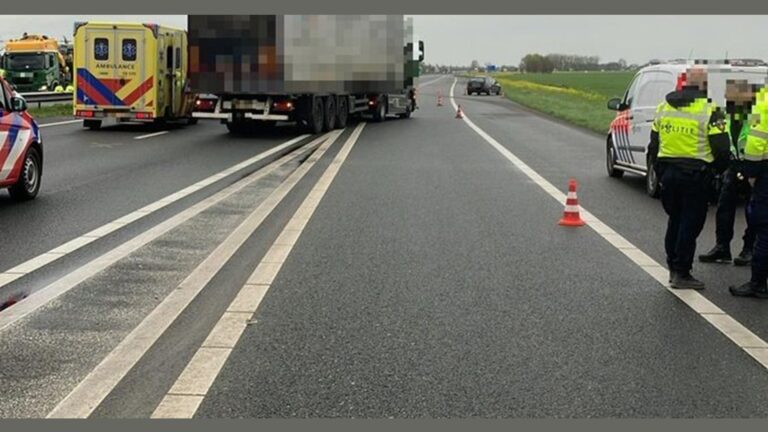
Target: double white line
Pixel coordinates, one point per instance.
(97, 385)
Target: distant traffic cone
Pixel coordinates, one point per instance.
(459, 113)
(439, 98)
(571, 215)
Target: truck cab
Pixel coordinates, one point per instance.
(35, 64)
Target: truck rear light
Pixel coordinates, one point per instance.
(88, 114)
(282, 106)
(143, 116)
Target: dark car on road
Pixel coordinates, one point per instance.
(482, 85)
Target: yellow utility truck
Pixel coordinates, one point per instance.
(130, 72)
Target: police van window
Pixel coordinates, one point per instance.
(101, 49)
(129, 50)
(632, 91)
(653, 88)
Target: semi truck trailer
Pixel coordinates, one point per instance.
(315, 70)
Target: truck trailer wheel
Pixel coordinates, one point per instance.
(92, 124)
(342, 112)
(316, 120)
(381, 110)
(329, 116)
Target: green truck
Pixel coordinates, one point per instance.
(35, 64)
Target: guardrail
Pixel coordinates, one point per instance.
(43, 97)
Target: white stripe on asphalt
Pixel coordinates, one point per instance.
(193, 384)
(431, 81)
(141, 137)
(36, 263)
(92, 390)
(735, 331)
(44, 125)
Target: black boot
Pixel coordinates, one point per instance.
(744, 258)
(718, 254)
(685, 281)
(750, 289)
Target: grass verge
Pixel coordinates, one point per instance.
(58, 110)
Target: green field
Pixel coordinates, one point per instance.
(577, 97)
(58, 110)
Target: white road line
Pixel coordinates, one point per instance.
(72, 279)
(141, 137)
(92, 390)
(184, 398)
(44, 125)
(62, 250)
(732, 329)
(431, 81)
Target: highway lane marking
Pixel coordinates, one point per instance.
(151, 135)
(744, 338)
(64, 249)
(97, 385)
(44, 125)
(187, 393)
(431, 81)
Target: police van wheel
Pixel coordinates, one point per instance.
(651, 180)
(28, 185)
(92, 124)
(610, 161)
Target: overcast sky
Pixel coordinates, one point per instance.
(504, 39)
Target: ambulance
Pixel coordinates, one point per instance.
(130, 72)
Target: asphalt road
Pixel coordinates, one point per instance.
(432, 279)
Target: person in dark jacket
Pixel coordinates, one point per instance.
(740, 97)
(689, 134)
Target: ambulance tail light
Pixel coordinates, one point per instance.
(143, 116)
(86, 114)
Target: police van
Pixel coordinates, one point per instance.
(130, 72)
(629, 133)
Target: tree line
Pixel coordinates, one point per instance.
(569, 62)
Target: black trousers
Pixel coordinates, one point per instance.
(684, 195)
(727, 203)
(758, 220)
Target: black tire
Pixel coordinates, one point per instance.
(610, 161)
(92, 124)
(329, 115)
(342, 112)
(407, 113)
(237, 128)
(191, 121)
(651, 180)
(315, 120)
(28, 185)
(381, 110)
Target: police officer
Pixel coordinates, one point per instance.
(739, 96)
(755, 168)
(690, 134)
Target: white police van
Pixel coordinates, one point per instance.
(629, 133)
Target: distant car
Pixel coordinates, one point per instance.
(21, 146)
(485, 85)
(629, 133)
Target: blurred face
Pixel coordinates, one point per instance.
(697, 77)
(739, 93)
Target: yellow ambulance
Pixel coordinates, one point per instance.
(130, 72)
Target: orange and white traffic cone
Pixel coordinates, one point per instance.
(459, 113)
(571, 215)
(439, 98)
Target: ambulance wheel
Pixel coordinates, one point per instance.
(28, 185)
(329, 116)
(92, 124)
(342, 112)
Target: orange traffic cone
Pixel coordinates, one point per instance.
(459, 113)
(439, 98)
(571, 216)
